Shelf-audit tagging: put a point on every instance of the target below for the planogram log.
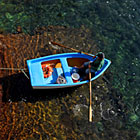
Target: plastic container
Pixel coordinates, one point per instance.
(75, 77)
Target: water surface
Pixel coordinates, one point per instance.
(91, 26)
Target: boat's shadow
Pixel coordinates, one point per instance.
(18, 88)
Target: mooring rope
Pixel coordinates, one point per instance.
(21, 69)
(13, 68)
(24, 73)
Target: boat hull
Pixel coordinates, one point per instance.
(61, 65)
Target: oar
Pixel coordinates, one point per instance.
(90, 87)
(90, 92)
(54, 43)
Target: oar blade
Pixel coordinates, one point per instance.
(90, 96)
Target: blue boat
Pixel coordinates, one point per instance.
(60, 69)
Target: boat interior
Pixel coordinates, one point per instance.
(63, 67)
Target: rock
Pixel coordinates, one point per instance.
(19, 29)
(80, 111)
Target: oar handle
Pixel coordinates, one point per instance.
(54, 43)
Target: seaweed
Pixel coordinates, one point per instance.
(114, 27)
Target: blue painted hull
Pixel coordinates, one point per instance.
(39, 82)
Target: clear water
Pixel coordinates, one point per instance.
(111, 26)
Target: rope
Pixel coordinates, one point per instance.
(13, 69)
(21, 69)
(24, 73)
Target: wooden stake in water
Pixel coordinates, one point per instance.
(90, 92)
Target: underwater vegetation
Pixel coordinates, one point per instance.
(115, 29)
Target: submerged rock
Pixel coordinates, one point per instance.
(107, 114)
(80, 111)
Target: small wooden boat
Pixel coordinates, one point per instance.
(55, 71)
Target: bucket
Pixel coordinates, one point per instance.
(75, 77)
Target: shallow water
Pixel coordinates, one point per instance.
(90, 26)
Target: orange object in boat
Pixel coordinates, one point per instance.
(47, 71)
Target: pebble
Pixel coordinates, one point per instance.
(10, 101)
(119, 110)
(23, 100)
(134, 74)
(125, 72)
(81, 96)
(134, 9)
(96, 98)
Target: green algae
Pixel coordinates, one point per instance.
(134, 117)
(115, 29)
